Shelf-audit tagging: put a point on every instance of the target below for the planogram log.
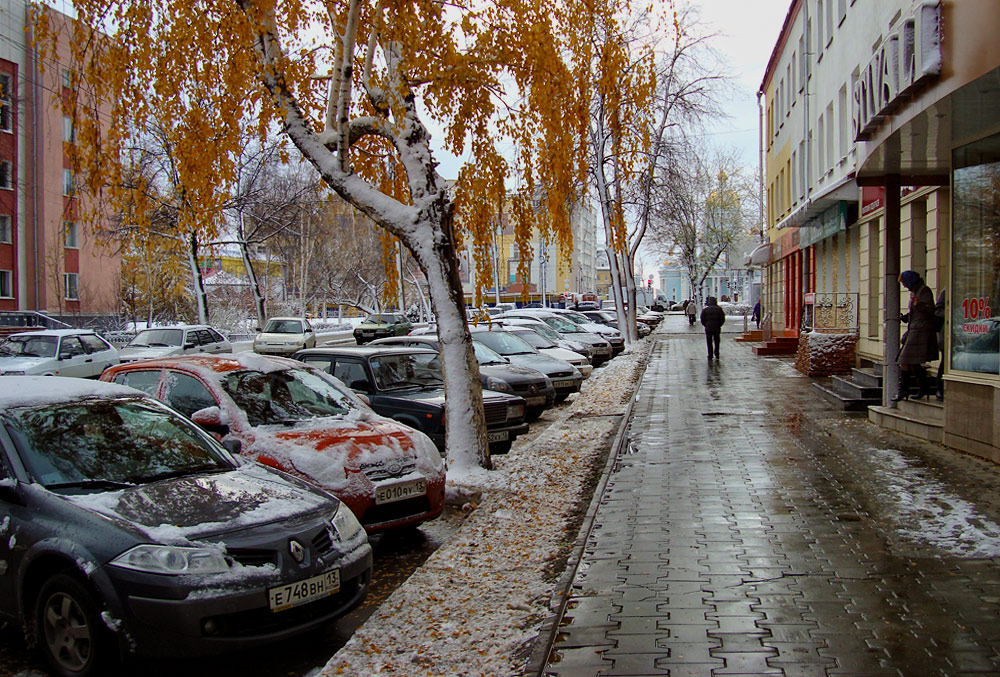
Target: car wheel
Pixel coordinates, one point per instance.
(561, 397)
(533, 414)
(500, 447)
(71, 635)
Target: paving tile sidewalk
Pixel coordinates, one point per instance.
(749, 528)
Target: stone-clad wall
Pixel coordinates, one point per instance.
(822, 354)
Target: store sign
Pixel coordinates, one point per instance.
(904, 60)
(830, 222)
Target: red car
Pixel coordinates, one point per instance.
(295, 418)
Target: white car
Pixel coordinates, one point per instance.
(150, 344)
(547, 347)
(56, 352)
(284, 336)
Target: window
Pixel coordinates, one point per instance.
(70, 346)
(352, 374)
(802, 62)
(829, 22)
(820, 148)
(6, 175)
(187, 394)
(975, 280)
(67, 78)
(6, 102)
(844, 120)
(819, 29)
(802, 169)
(68, 181)
(69, 130)
(831, 158)
(70, 235)
(70, 286)
(94, 343)
(841, 11)
(6, 236)
(6, 284)
(145, 381)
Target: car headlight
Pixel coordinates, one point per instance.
(172, 560)
(498, 385)
(515, 411)
(345, 523)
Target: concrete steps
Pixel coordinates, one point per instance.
(920, 418)
(752, 336)
(857, 392)
(779, 345)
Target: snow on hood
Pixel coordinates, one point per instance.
(183, 510)
(149, 353)
(10, 362)
(30, 391)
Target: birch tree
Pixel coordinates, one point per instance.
(354, 84)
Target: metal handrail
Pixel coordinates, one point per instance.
(833, 312)
(30, 318)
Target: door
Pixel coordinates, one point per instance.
(186, 394)
(73, 359)
(103, 353)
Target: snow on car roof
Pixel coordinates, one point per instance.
(29, 391)
(55, 332)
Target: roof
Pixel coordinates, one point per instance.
(28, 391)
(364, 351)
(779, 45)
(220, 363)
(55, 332)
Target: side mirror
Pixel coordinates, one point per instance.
(210, 418)
(232, 445)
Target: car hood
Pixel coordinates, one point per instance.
(8, 363)
(599, 329)
(549, 366)
(279, 338)
(512, 373)
(185, 509)
(372, 325)
(149, 352)
(562, 354)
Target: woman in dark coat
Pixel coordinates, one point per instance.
(920, 340)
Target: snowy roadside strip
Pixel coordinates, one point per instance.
(480, 599)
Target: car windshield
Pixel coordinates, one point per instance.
(576, 317)
(405, 370)
(486, 355)
(546, 331)
(563, 325)
(157, 338)
(30, 346)
(504, 343)
(380, 319)
(283, 327)
(106, 444)
(534, 338)
(285, 396)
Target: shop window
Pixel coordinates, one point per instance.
(975, 281)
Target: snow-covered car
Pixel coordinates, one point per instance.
(407, 385)
(183, 339)
(284, 336)
(56, 352)
(127, 530)
(296, 418)
(566, 378)
(609, 334)
(495, 373)
(569, 329)
(551, 334)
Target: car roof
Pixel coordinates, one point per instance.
(181, 326)
(55, 332)
(364, 351)
(221, 363)
(300, 319)
(28, 391)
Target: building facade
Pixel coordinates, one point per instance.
(882, 153)
(48, 261)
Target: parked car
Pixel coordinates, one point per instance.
(586, 305)
(56, 352)
(610, 319)
(571, 330)
(566, 378)
(406, 384)
(176, 340)
(127, 530)
(495, 373)
(295, 418)
(547, 347)
(284, 336)
(609, 334)
(380, 325)
(551, 334)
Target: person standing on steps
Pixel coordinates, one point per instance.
(755, 316)
(692, 311)
(919, 343)
(712, 318)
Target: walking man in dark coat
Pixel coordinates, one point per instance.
(712, 318)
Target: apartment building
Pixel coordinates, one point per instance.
(48, 261)
(881, 137)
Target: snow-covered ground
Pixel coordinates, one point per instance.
(477, 603)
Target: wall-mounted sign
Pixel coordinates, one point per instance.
(904, 60)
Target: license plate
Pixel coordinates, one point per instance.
(532, 401)
(389, 493)
(498, 436)
(562, 384)
(367, 333)
(302, 592)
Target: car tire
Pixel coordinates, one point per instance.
(532, 414)
(561, 397)
(498, 448)
(71, 635)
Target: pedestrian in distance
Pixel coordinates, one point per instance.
(712, 318)
(692, 311)
(756, 313)
(919, 343)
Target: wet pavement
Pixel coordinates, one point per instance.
(749, 528)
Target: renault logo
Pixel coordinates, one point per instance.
(298, 552)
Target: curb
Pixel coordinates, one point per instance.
(539, 656)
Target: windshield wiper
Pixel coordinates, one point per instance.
(90, 484)
(181, 472)
(158, 345)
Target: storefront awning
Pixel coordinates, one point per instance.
(845, 189)
(759, 257)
